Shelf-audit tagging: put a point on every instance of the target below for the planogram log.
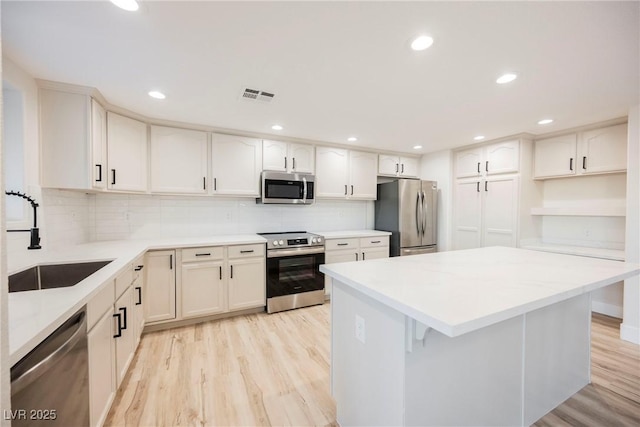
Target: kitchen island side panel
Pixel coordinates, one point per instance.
(367, 379)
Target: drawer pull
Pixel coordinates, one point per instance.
(249, 251)
(138, 268)
(376, 241)
(204, 254)
(342, 244)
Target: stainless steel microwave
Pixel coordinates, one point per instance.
(287, 188)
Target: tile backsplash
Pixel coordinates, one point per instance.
(75, 217)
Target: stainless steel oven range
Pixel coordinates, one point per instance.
(293, 270)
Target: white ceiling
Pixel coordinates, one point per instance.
(343, 68)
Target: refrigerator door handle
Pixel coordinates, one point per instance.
(418, 212)
(424, 214)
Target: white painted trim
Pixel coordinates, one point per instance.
(606, 309)
(630, 333)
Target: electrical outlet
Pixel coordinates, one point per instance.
(360, 331)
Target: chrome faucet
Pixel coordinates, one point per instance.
(35, 232)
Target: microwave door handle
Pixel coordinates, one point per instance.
(304, 190)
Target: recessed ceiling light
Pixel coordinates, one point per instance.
(417, 147)
(421, 43)
(352, 139)
(478, 138)
(506, 78)
(277, 127)
(545, 121)
(130, 5)
(157, 95)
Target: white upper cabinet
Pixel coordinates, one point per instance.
(236, 163)
(555, 156)
(595, 151)
(345, 174)
(362, 175)
(604, 150)
(332, 166)
(73, 141)
(178, 160)
(127, 153)
(493, 159)
(288, 157)
(397, 166)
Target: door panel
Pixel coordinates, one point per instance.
(467, 215)
(500, 198)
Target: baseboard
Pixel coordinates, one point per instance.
(606, 309)
(630, 333)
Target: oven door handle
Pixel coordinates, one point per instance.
(281, 253)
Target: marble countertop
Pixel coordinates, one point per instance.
(458, 292)
(351, 233)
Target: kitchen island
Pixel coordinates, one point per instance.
(490, 336)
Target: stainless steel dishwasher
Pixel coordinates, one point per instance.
(50, 385)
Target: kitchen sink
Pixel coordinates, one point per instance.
(48, 276)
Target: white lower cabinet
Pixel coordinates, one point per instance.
(160, 281)
(124, 333)
(246, 283)
(102, 383)
(202, 289)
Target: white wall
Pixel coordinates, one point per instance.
(630, 329)
(438, 167)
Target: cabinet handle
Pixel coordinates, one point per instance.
(571, 164)
(139, 289)
(352, 190)
(204, 182)
(584, 163)
(171, 262)
(220, 272)
(486, 166)
(119, 333)
(363, 256)
(375, 241)
(204, 254)
(356, 256)
(124, 310)
(113, 181)
(402, 170)
(342, 244)
(345, 189)
(485, 186)
(294, 163)
(247, 252)
(285, 163)
(478, 167)
(140, 267)
(231, 272)
(478, 185)
(397, 167)
(215, 184)
(99, 173)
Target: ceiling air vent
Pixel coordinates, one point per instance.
(249, 94)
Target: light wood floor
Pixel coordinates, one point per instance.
(262, 370)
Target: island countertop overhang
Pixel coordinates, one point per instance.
(457, 292)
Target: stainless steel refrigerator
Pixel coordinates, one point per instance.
(408, 209)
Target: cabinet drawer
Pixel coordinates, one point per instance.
(372, 242)
(100, 303)
(202, 254)
(245, 251)
(124, 280)
(337, 244)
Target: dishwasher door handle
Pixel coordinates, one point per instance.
(38, 369)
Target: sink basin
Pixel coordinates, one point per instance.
(53, 276)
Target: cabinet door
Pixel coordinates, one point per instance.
(555, 157)
(202, 289)
(503, 157)
(102, 387)
(388, 165)
(178, 160)
(303, 159)
(98, 145)
(374, 253)
(500, 212)
(247, 287)
(127, 153)
(138, 307)
(409, 167)
(274, 156)
(467, 215)
(236, 165)
(331, 172)
(160, 285)
(125, 342)
(332, 257)
(363, 179)
(604, 150)
(468, 163)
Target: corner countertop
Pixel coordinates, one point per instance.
(351, 233)
(33, 315)
(458, 292)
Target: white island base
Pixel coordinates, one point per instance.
(510, 373)
(481, 337)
